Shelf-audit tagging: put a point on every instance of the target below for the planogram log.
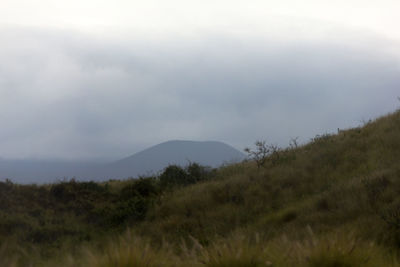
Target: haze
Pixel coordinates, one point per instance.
(101, 80)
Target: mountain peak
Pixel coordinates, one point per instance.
(179, 152)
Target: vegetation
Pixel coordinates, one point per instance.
(334, 201)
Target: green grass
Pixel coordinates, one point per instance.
(334, 201)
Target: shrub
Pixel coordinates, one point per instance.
(62, 191)
(260, 154)
(263, 152)
(173, 175)
(143, 187)
(196, 172)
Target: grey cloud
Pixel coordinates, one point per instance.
(72, 96)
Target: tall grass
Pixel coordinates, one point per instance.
(333, 250)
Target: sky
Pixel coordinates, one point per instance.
(101, 80)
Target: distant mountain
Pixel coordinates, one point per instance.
(148, 161)
(155, 158)
(40, 171)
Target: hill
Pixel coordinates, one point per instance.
(334, 201)
(178, 152)
(148, 161)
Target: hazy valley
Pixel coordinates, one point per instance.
(147, 162)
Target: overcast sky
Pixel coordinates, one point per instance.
(105, 79)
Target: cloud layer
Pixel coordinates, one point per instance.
(74, 96)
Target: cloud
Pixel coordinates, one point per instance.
(74, 96)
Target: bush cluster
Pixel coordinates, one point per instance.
(175, 175)
(74, 210)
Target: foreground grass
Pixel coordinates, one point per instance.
(336, 250)
(332, 202)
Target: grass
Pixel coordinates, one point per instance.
(345, 187)
(337, 249)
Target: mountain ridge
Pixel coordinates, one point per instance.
(147, 161)
(178, 152)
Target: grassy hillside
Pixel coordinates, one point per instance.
(327, 183)
(332, 202)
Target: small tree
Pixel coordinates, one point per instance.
(293, 144)
(274, 152)
(196, 172)
(259, 155)
(173, 175)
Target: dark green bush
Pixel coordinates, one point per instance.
(122, 212)
(173, 175)
(196, 172)
(143, 187)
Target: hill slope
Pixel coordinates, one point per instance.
(326, 183)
